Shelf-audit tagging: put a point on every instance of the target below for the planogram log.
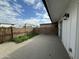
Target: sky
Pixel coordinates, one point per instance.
(19, 12)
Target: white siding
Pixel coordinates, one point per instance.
(77, 41)
(69, 29)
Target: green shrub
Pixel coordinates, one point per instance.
(20, 39)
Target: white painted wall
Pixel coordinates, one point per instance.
(69, 29)
(77, 33)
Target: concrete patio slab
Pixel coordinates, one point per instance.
(41, 47)
(9, 47)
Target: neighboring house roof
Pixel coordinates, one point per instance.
(32, 24)
(6, 25)
(49, 23)
(46, 24)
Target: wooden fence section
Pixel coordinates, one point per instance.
(9, 33)
(5, 34)
(19, 31)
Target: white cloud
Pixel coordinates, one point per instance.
(3, 2)
(43, 15)
(45, 21)
(7, 13)
(29, 2)
(33, 21)
(43, 18)
(6, 9)
(36, 21)
(15, 0)
(38, 14)
(18, 8)
(39, 5)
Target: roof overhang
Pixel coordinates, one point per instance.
(56, 8)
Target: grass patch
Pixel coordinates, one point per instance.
(20, 39)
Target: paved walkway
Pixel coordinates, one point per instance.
(41, 47)
(9, 47)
